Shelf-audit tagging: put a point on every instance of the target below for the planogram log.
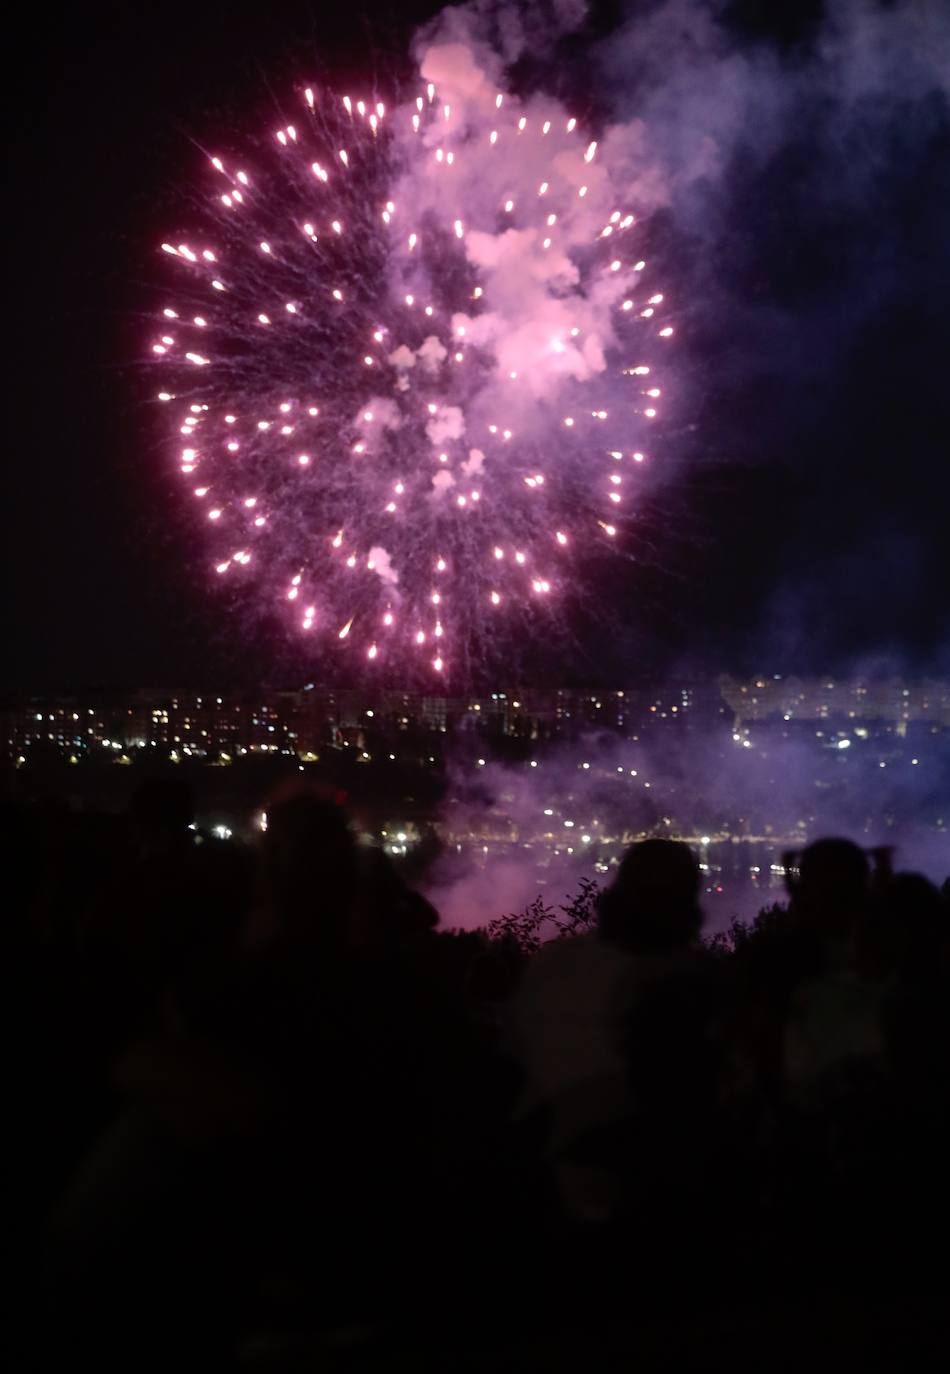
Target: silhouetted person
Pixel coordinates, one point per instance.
(390, 915)
(653, 905)
(308, 874)
(161, 813)
(570, 1017)
(830, 895)
(915, 925)
(833, 1013)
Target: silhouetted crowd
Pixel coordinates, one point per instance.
(263, 1114)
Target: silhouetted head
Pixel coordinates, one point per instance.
(310, 867)
(833, 884)
(389, 908)
(654, 903)
(918, 920)
(161, 813)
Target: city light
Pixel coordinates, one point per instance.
(610, 760)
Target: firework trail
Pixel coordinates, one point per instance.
(410, 356)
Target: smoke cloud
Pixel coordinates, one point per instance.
(790, 189)
(590, 798)
(790, 194)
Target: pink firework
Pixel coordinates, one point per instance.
(410, 361)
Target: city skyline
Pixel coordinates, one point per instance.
(512, 710)
(551, 784)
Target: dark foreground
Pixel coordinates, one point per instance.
(265, 1116)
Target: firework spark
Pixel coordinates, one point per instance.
(412, 364)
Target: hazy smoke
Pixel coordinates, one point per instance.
(785, 792)
(748, 153)
(529, 296)
(790, 195)
(802, 189)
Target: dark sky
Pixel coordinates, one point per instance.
(804, 524)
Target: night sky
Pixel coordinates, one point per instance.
(802, 521)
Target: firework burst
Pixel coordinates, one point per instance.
(410, 357)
